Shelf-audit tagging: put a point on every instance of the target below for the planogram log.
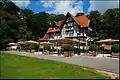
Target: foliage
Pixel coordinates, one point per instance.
(32, 46)
(68, 47)
(116, 48)
(28, 47)
(22, 24)
(104, 25)
(94, 47)
(47, 47)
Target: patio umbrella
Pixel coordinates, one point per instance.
(45, 43)
(21, 42)
(12, 44)
(31, 42)
(79, 41)
(63, 41)
(41, 40)
(108, 40)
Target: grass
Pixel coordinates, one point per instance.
(14, 66)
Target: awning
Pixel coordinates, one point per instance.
(64, 41)
(108, 40)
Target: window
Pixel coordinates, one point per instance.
(66, 33)
(68, 24)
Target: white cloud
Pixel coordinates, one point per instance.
(47, 4)
(21, 3)
(102, 6)
(62, 7)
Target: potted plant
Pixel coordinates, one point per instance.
(68, 50)
(47, 49)
(115, 50)
(93, 49)
(32, 48)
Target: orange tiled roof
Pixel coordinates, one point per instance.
(82, 20)
(50, 30)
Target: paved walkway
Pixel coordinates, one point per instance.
(106, 64)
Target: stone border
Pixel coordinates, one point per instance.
(110, 74)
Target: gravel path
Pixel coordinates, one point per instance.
(106, 64)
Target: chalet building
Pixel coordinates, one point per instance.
(73, 27)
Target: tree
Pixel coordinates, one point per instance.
(40, 22)
(115, 48)
(47, 47)
(59, 17)
(94, 47)
(95, 18)
(68, 47)
(104, 25)
(111, 20)
(8, 22)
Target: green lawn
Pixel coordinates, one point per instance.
(14, 66)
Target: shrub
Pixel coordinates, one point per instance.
(115, 48)
(94, 47)
(24, 47)
(31, 47)
(28, 47)
(68, 47)
(47, 47)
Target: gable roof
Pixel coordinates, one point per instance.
(82, 21)
(45, 36)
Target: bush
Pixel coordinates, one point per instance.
(94, 47)
(24, 47)
(32, 47)
(115, 48)
(46, 47)
(68, 47)
(28, 47)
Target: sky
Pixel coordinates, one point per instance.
(64, 6)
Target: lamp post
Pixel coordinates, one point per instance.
(78, 36)
(84, 37)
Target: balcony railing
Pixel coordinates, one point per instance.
(73, 35)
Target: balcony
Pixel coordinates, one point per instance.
(73, 35)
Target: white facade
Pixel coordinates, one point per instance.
(70, 30)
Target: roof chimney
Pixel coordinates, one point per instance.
(79, 14)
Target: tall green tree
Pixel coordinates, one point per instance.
(111, 23)
(8, 21)
(95, 21)
(39, 23)
(104, 25)
(59, 17)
